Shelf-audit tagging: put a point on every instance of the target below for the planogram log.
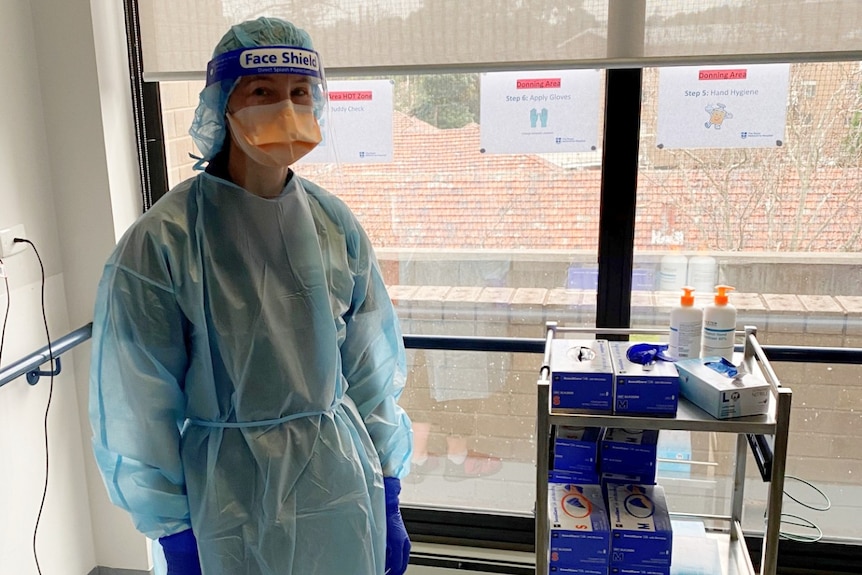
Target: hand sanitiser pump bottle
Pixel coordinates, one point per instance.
(686, 325)
(719, 326)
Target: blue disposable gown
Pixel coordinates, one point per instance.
(245, 372)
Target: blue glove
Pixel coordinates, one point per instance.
(397, 541)
(648, 353)
(181, 553)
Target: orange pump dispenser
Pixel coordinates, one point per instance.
(721, 294)
(687, 298)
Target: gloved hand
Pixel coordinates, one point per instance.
(181, 553)
(397, 541)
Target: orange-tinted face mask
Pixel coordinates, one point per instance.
(275, 135)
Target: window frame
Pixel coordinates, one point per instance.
(620, 164)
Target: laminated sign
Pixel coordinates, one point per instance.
(735, 106)
(539, 112)
(360, 124)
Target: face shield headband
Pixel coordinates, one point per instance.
(265, 60)
(223, 72)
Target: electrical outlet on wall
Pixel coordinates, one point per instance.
(8, 247)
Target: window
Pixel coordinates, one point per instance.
(781, 225)
(494, 245)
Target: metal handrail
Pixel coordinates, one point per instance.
(775, 353)
(29, 365)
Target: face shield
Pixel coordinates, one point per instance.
(224, 71)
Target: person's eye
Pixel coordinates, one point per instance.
(259, 88)
(301, 94)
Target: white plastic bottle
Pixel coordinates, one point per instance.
(672, 272)
(686, 325)
(701, 273)
(719, 326)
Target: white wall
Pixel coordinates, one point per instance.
(68, 174)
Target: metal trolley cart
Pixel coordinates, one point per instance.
(727, 530)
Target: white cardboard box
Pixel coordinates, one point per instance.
(719, 394)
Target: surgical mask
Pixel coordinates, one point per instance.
(275, 135)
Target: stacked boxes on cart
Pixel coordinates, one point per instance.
(579, 529)
(596, 376)
(582, 375)
(606, 515)
(643, 389)
(641, 534)
(628, 455)
(600, 376)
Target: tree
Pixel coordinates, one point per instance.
(446, 100)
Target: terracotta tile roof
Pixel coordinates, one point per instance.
(441, 191)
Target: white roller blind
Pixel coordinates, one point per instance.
(422, 35)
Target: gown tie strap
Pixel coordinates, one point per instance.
(262, 422)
